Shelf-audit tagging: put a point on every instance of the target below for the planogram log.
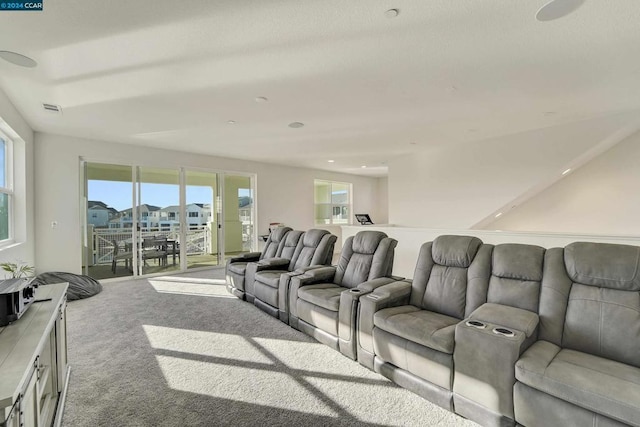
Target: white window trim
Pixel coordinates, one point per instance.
(8, 189)
(332, 205)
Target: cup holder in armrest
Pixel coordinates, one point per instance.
(475, 324)
(355, 291)
(503, 331)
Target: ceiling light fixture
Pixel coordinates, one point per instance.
(17, 59)
(566, 172)
(550, 113)
(331, 161)
(231, 122)
(296, 125)
(363, 166)
(392, 13)
(262, 99)
(498, 215)
(556, 9)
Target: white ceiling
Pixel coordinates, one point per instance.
(171, 74)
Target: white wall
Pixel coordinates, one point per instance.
(602, 196)
(285, 194)
(460, 186)
(14, 125)
(382, 215)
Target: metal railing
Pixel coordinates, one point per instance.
(198, 240)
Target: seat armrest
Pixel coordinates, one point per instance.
(509, 317)
(370, 285)
(388, 295)
(272, 264)
(302, 270)
(248, 257)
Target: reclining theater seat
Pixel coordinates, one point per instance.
(585, 368)
(236, 266)
(406, 329)
(484, 359)
(271, 285)
(323, 302)
(287, 251)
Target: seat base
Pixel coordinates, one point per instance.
(250, 298)
(534, 408)
(283, 316)
(424, 389)
(479, 414)
(236, 292)
(320, 335)
(266, 307)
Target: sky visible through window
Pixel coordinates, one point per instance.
(118, 194)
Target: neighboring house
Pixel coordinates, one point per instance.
(98, 216)
(149, 217)
(198, 214)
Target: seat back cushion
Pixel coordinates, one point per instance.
(290, 244)
(312, 249)
(603, 311)
(365, 256)
(275, 242)
(452, 275)
(516, 276)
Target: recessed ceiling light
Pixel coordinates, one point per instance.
(392, 13)
(17, 59)
(566, 172)
(473, 130)
(412, 143)
(296, 125)
(550, 113)
(331, 161)
(557, 9)
(498, 215)
(261, 99)
(363, 166)
(231, 122)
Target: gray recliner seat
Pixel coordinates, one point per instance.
(287, 251)
(585, 368)
(236, 267)
(406, 329)
(484, 359)
(323, 302)
(272, 277)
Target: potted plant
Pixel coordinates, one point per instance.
(18, 269)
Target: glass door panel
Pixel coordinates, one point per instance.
(202, 225)
(238, 215)
(159, 217)
(108, 233)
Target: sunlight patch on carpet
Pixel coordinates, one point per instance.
(196, 287)
(232, 347)
(266, 388)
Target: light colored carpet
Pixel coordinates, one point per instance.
(179, 351)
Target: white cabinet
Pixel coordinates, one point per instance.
(33, 362)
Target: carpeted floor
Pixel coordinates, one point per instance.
(179, 351)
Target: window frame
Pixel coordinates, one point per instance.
(8, 189)
(332, 205)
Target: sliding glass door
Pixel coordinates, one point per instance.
(142, 220)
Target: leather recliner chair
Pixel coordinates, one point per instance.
(287, 252)
(236, 267)
(323, 302)
(585, 367)
(272, 276)
(406, 329)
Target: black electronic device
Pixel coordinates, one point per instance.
(16, 295)
(364, 219)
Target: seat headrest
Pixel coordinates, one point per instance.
(278, 234)
(455, 251)
(366, 242)
(515, 261)
(604, 265)
(293, 237)
(313, 237)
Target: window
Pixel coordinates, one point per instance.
(193, 214)
(332, 202)
(6, 188)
